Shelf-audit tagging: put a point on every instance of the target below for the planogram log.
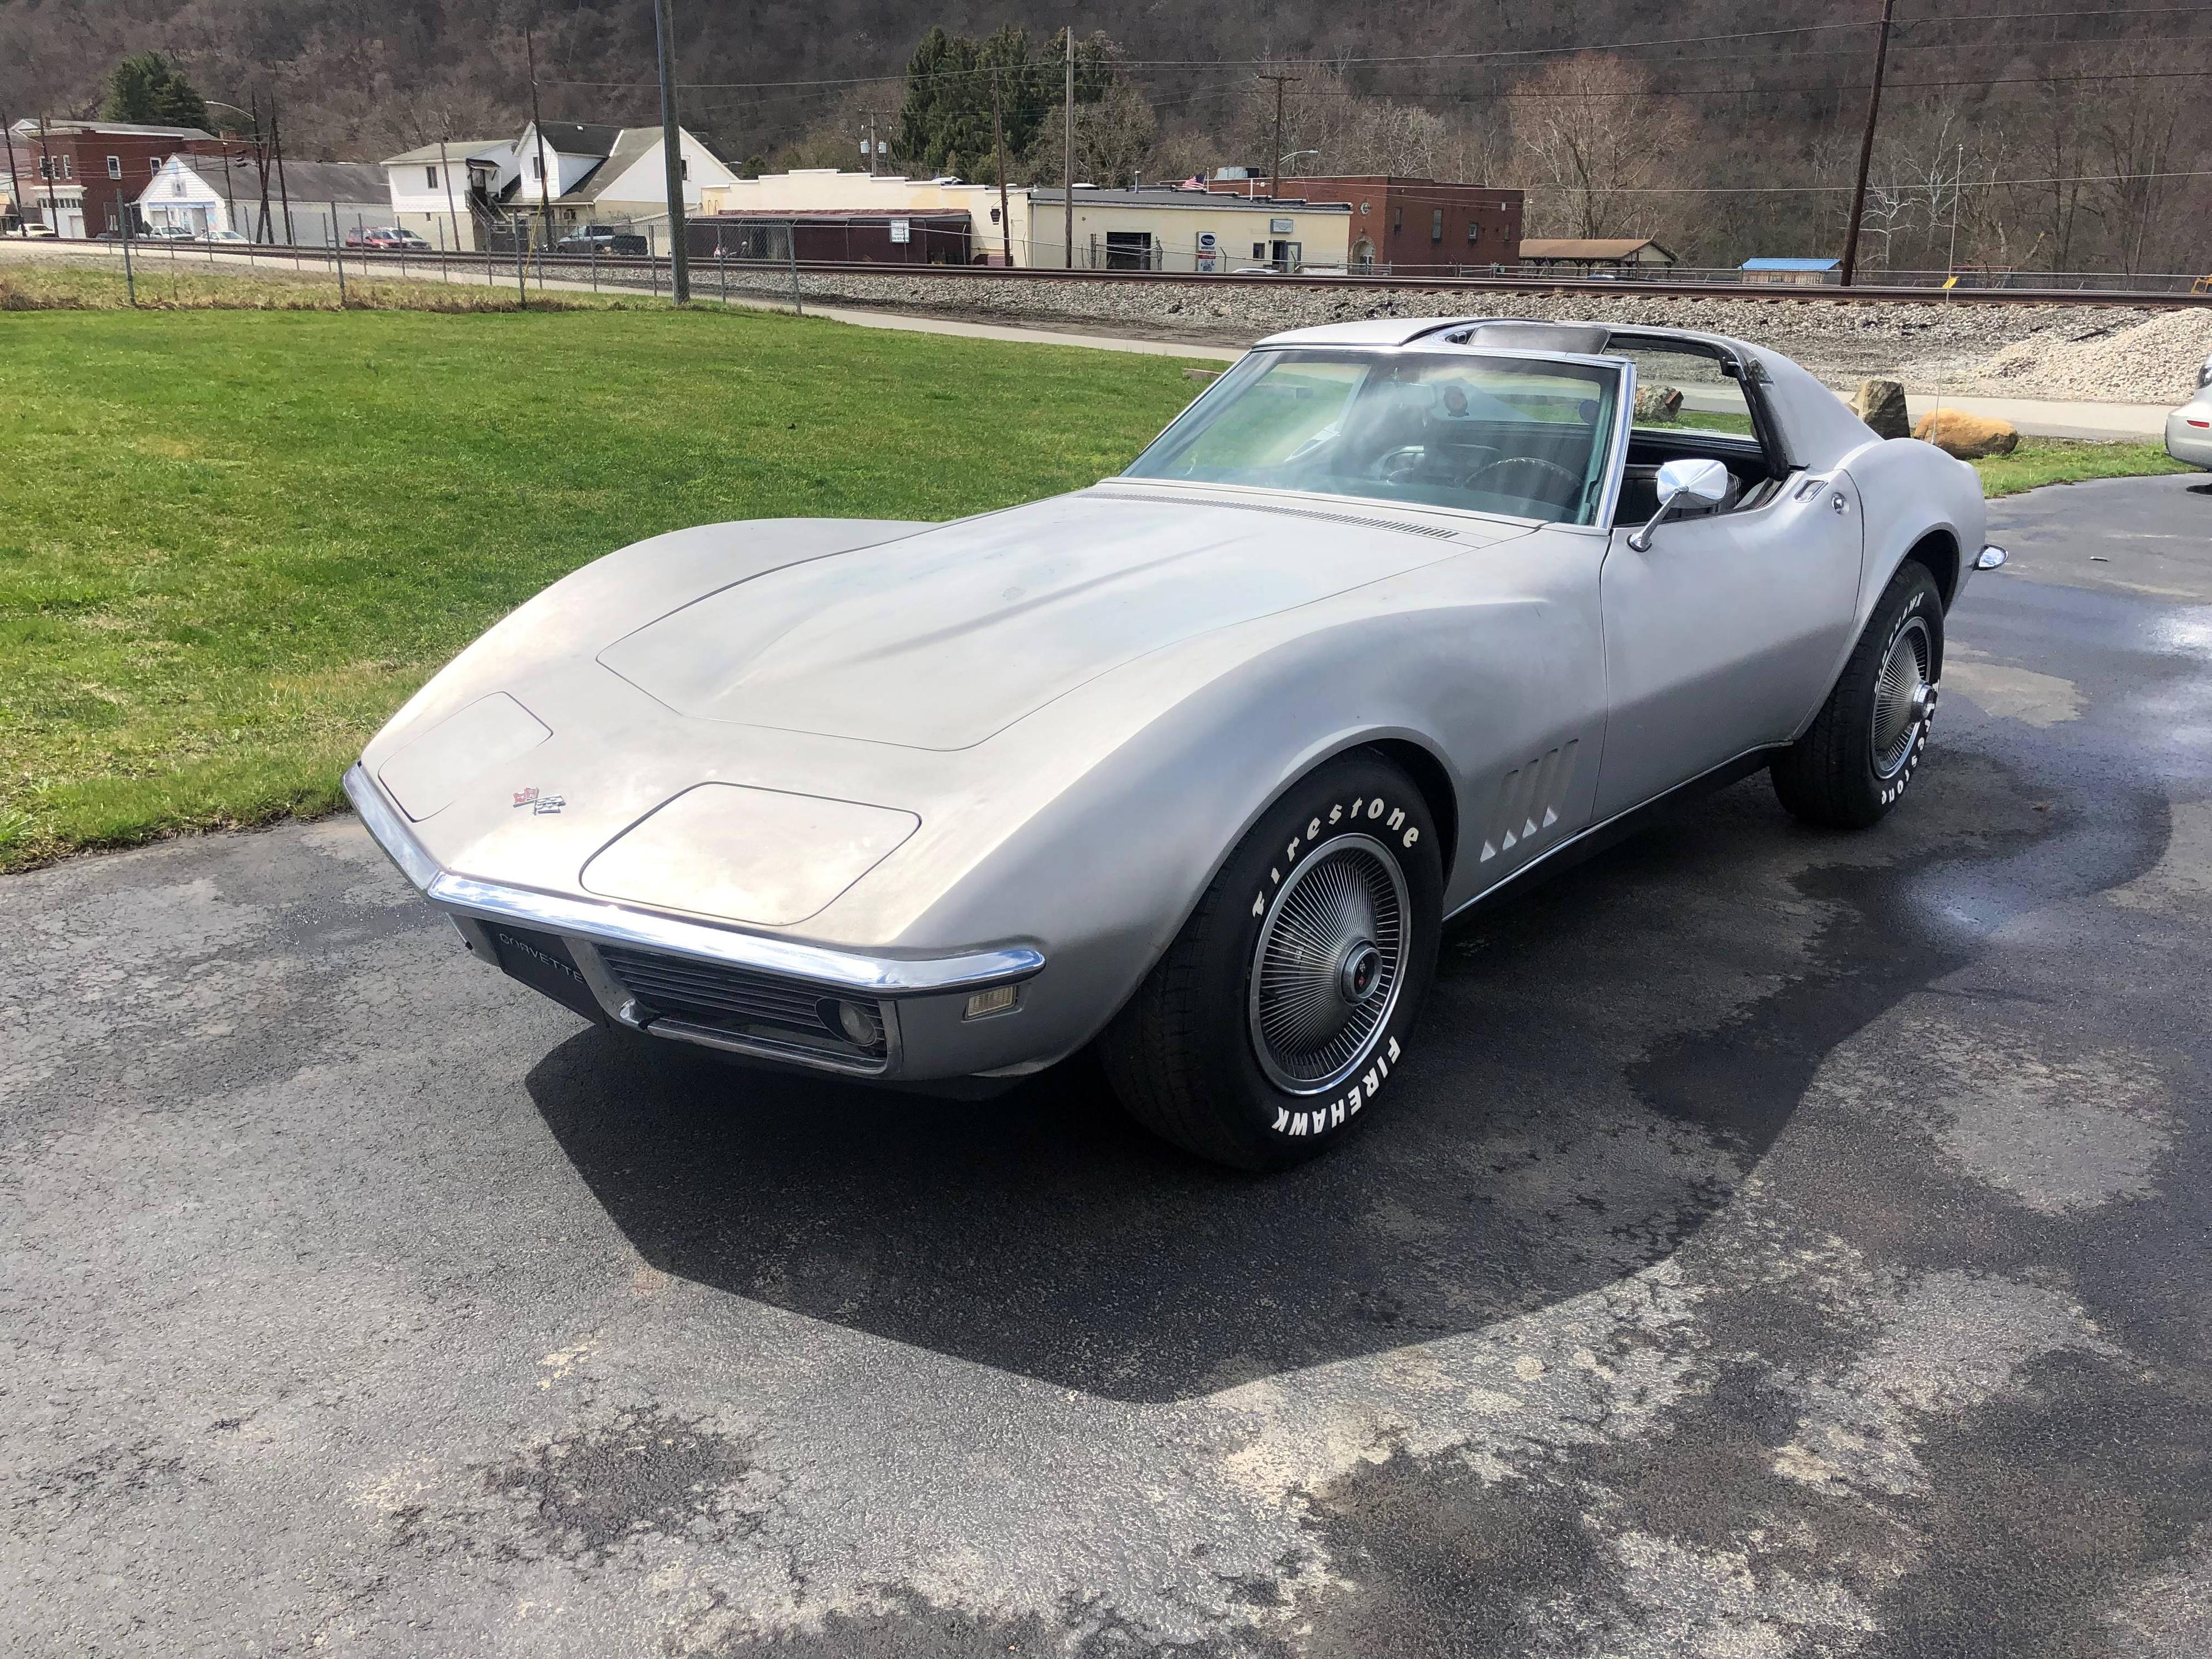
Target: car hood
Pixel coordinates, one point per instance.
(940, 640)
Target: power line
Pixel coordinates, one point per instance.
(1348, 61)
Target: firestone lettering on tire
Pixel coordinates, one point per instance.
(1362, 807)
(1320, 1119)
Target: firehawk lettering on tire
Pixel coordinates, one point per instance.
(939, 806)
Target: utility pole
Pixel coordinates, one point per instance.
(277, 142)
(1275, 167)
(446, 172)
(998, 151)
(537, 130)
(260, 167)
(1866, 144)
(1067, 151)
(680, 253)
(14, 183)
(872, 142)
(47, 172)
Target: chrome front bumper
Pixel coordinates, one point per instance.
(921, 1000)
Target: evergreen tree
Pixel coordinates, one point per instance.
(944, 126)
(149, 90)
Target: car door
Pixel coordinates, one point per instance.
(1724, 635)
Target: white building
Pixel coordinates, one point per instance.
(310, 203)
(1164, 228)
(573, 172)
(442, 192)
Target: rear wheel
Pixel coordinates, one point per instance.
(1857, 758)
(1280, 1011)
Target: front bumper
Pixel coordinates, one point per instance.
(745, 993)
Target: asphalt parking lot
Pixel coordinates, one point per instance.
(1786, 1245)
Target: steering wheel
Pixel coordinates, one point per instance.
(1401, 463)
(1487, 477)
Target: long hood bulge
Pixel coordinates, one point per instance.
(940, 640)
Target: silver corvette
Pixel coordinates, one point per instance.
(1194, 764)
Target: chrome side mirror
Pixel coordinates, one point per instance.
(1682, 484)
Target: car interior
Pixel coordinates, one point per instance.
(1690, 406)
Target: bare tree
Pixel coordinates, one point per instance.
(1591, 137)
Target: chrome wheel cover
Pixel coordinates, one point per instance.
(1331, 959)
(1903, 698)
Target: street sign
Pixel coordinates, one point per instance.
(1281, 226)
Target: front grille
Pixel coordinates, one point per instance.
(731, 1000)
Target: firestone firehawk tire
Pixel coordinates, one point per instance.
(1286, 1004)
(1857, 758)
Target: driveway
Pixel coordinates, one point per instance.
(1784, 1244)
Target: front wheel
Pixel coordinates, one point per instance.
(1857, 759)
(1284, 1005)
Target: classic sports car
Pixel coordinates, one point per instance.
(1195, 763)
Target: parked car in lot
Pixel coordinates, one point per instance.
(171, 233)
(601, 238)
(1191, 765)
(386, 239)
(33, 231)
(225, 237)
(2189, 429)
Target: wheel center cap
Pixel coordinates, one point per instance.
(1924, 702)
(1360, 972)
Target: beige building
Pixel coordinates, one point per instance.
(1163, 229)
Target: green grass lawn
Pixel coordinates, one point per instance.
(2040, 461)
(231, 542)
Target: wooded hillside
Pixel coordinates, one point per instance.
(2046, 134)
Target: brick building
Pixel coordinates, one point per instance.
(71, 173)
(1413, 225)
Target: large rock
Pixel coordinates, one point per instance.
(1969, 437)
(1881, 404)
(1658, 403)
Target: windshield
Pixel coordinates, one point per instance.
(1526, 436)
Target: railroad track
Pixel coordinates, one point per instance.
(631, 272)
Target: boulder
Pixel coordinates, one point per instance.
(1658, 402)
(1881, 404)
(1969, 437)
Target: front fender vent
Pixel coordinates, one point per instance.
(1529, 801)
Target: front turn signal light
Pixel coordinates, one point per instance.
(996, 1000)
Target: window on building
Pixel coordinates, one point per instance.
(538, 167)
(1397, 218)
(683, 168)
(431, 177)
(1259, 250)
(1437, 226)
(1474, 233)
(115, 166)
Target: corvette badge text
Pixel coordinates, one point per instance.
(539, 805)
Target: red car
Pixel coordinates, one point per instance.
(389, 238)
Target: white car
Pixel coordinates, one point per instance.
(2189, 429)
(1194, 764)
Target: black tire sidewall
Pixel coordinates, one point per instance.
(1911, 593)
(1271, 1127)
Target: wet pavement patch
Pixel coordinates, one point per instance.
(645, 1475)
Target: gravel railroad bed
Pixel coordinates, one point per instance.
(2103, 352)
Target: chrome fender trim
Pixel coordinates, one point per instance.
(593, 919)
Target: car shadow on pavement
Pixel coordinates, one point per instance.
(1600, 1066)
